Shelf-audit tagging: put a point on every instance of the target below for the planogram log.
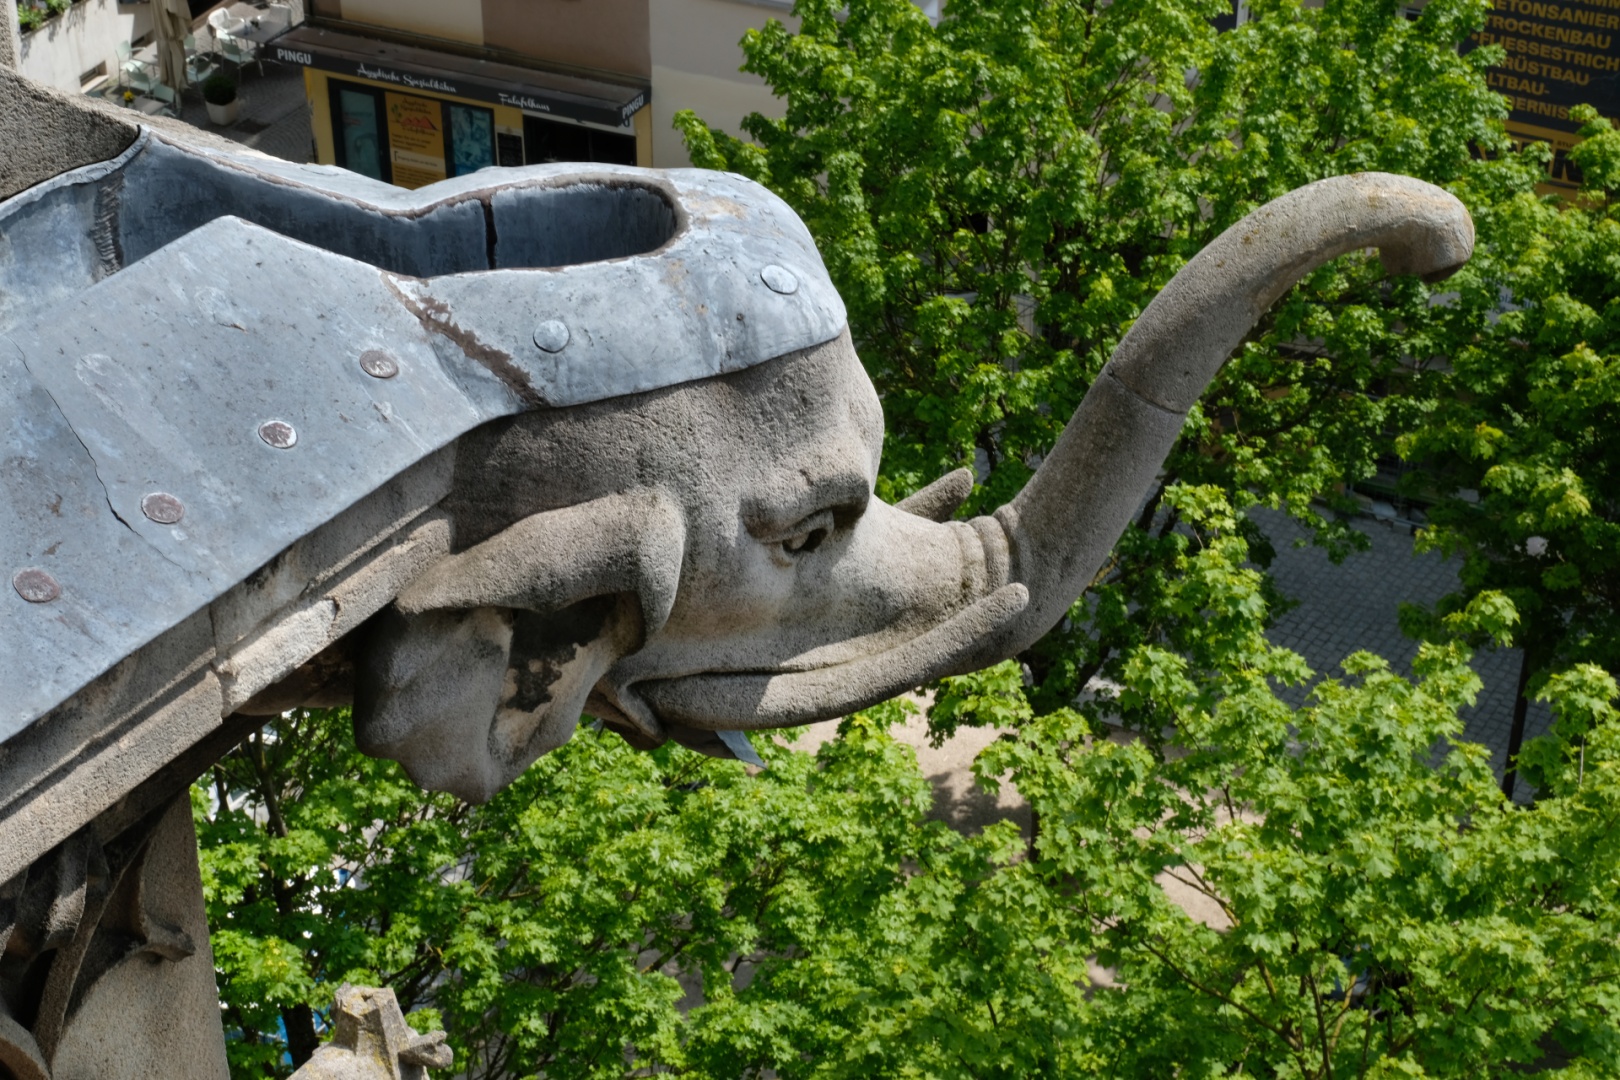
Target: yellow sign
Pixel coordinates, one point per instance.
(415, 139)
(1559, 53)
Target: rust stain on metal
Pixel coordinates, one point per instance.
(434, 315)
(709, 203)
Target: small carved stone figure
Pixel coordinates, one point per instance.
(371, 1041)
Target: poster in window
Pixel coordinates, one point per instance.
(472, 138)
(416, 139)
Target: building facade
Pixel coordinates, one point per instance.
(80, 46)
(415, 91)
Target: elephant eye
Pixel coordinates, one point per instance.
(805, 541)
(791, 524)
(805, 535)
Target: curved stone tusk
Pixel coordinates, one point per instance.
(630, 542)
(751, 700)
(940, 500)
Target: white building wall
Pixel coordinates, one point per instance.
(85, 35)
(452, 20)
(695, 62)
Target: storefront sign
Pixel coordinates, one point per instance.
(415, 139)
(1559, 55)
(527, 98)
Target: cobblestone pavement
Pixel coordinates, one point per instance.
(1354, 606)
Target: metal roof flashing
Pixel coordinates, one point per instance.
(206, 355)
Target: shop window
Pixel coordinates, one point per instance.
(407, 139)
(548, 140)
(357, 116)
(472, 139)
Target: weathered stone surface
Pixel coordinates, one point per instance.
(135, 381)
(479, 457)
(143, 378)
(45, 132)
(111, 1034)
(551, 439)
(680, 546)
(371, 1041)
(105, 969)
(105, 741)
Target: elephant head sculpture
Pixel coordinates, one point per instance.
(658, 441)
(709, 558)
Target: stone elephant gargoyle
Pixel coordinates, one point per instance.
(655, 444)
(710, 557)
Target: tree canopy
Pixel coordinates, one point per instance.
(997, 197)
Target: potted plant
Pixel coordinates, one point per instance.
(219, 91)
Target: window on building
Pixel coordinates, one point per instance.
(472, 139)
(408, 139)
(358, 134)
(549, 140)
(90, 78)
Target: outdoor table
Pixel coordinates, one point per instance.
(260, 23)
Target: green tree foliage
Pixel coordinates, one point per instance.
(1390, 913)
(544, 929)
(1522, 450)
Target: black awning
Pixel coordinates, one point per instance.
(530, 89)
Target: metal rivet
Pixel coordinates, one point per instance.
(378, 364)
(551, 335)
(779, 279)
(279, 434)
(163, 508)
(35, 585)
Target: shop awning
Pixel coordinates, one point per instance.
(411, 68)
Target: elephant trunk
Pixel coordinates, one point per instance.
(1062, 525)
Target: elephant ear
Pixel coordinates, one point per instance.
(486, 661)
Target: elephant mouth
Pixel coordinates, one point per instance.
(750, 700)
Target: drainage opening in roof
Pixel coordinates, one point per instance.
(579, 223)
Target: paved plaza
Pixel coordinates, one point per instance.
(273, 118)
(1355, 605)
